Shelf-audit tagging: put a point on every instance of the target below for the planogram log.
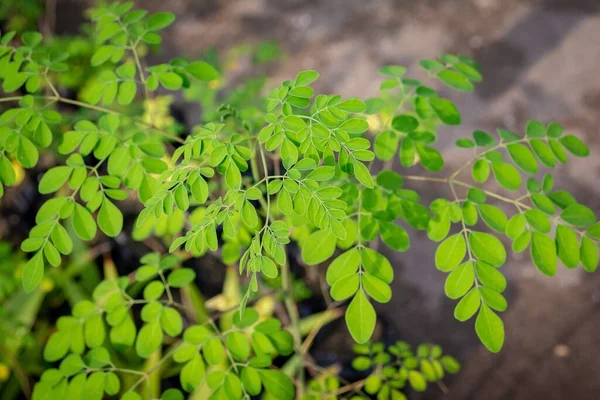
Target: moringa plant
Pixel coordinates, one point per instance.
(257, 175)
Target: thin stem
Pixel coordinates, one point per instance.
(142, 77)
(266, 178)
(292, 310)
(146, 375)
(231, 360)
(12, 98)
(516, 203)
(61, 99)
(108, 110)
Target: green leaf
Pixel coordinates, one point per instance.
(360, 318)
(575, 146)
(83, 223)
(355, 125)
(578, 215)
(153, 290)
(455, 80)
(516, 225)
(149, 339)
(57, 346)
(277, 384)
(490, 329)
(61, 239)
(97, 358)
(521, 242)
(445, 110)
(345, 264)
(393, 71)
(417, 381)
(306, 77)
(543, 253)
(181, 277)
(94, 331)
(405, 123)
(249, 214)
(430, 158)
(558, 150)
(562, 198)
(523, 157)
(465, 143)
(487, 248)
(52, 255)
(127, 91)
(493, 217)
(112, 384)
(318, 247)
(102, 55)
(470, 71)
(589, 254)
(450, 252)
(7, 173)
(543, 203)
(567, 246)
(33, 272)
(213, 351)
(389, 180)
(439, 226)
(71, 365)
(372, 384)
(493, 298)
(159, 21)
(394, 236)
(250, 378)
(468, 305)
(408, 152)
(192, 373)
(554, 130)
(450, 364)
(31, 39)
(535, 129)
(239, 346)
(130, 395)
(538, 220)
(483, 139)
(481, 171)
(94, 386)
(376, 264)
(386, 145)
(376, 288)
(506, 175)
(469, 213)
(459, 281)
(27, 153)
(490, 276)
(110, 219)
(170, 80)
(171, 321)
(202, 70)
(361, 172)
(353, 105)
(54, 179)
(543, 152)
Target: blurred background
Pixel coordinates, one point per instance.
(540, 60)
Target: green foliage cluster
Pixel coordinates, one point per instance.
(392, 369)
(86, 365)
(257, 174)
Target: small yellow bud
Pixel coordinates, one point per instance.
(4, 372)
(47, 285)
